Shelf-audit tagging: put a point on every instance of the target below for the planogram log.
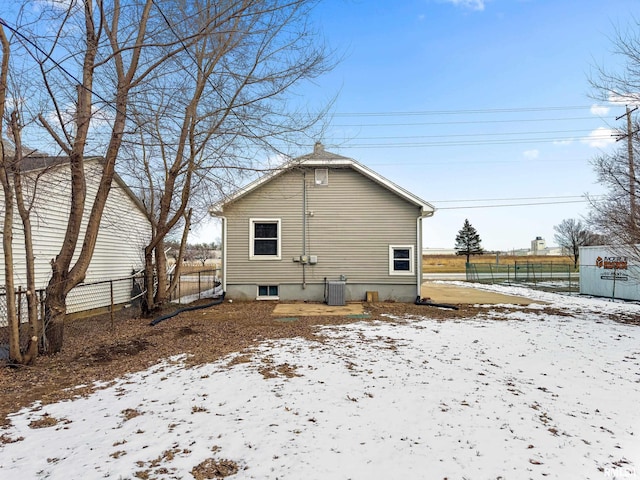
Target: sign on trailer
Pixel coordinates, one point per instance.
(609, 272)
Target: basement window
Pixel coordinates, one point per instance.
(401, 260)
(267, 292)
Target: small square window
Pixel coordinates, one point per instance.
(401, 260)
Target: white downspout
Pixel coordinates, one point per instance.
(422, 216)
(419, 256)
(224, 254)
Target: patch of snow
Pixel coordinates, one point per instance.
(518, 394)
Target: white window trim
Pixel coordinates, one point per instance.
(252, 222)
(411, 270)
(267, 297)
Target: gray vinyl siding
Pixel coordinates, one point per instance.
(351, 224)
(123, 233)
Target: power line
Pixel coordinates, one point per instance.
(473, 142)
(513, 161)
(509, 199)
(511, 205)
(477, 134)
(59, 66)
(467, 122)
(464, 112)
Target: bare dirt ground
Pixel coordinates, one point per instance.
(96, 351)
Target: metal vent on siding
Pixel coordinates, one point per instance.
(322, 176)
(335, 293)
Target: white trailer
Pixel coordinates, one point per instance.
(607, 271)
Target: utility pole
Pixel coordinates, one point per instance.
(632, 172)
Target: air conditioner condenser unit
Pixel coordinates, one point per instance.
(336, 293)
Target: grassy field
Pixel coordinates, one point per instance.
(456, 263)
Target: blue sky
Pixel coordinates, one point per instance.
(466, 101)
(474, 100)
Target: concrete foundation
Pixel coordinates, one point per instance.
(354, 292)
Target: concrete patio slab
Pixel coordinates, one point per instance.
(457, 295)
(315, 309)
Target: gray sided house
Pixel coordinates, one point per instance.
(322, 221)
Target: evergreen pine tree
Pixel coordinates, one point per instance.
(468, 241)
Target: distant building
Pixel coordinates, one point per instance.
(538, 246)
(438, 251)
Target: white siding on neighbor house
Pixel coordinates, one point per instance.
(123, 233)
(351, 222)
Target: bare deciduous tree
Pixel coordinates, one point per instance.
(616, 214)
(612, 213)
(197, 86)
(571, 234)
(92, 57)
(214, 106)
(13, 192)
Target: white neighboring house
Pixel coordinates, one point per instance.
(124, 231)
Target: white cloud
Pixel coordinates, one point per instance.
(99, 117)
(600, 137)
(471, 4)
(71, 6)
(599, 110)
(566, 141)
(531, 154)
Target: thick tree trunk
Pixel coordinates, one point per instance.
(161, 268)
(55, 311)
(149, 274)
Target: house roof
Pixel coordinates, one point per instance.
(322, 158)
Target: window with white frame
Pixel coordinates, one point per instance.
(401, 260)
(267, 292)
(264, 239)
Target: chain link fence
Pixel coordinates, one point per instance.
(22, 314)
(556, 277)
(108, 296)
(193, 286)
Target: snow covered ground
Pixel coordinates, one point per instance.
(517, 394)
